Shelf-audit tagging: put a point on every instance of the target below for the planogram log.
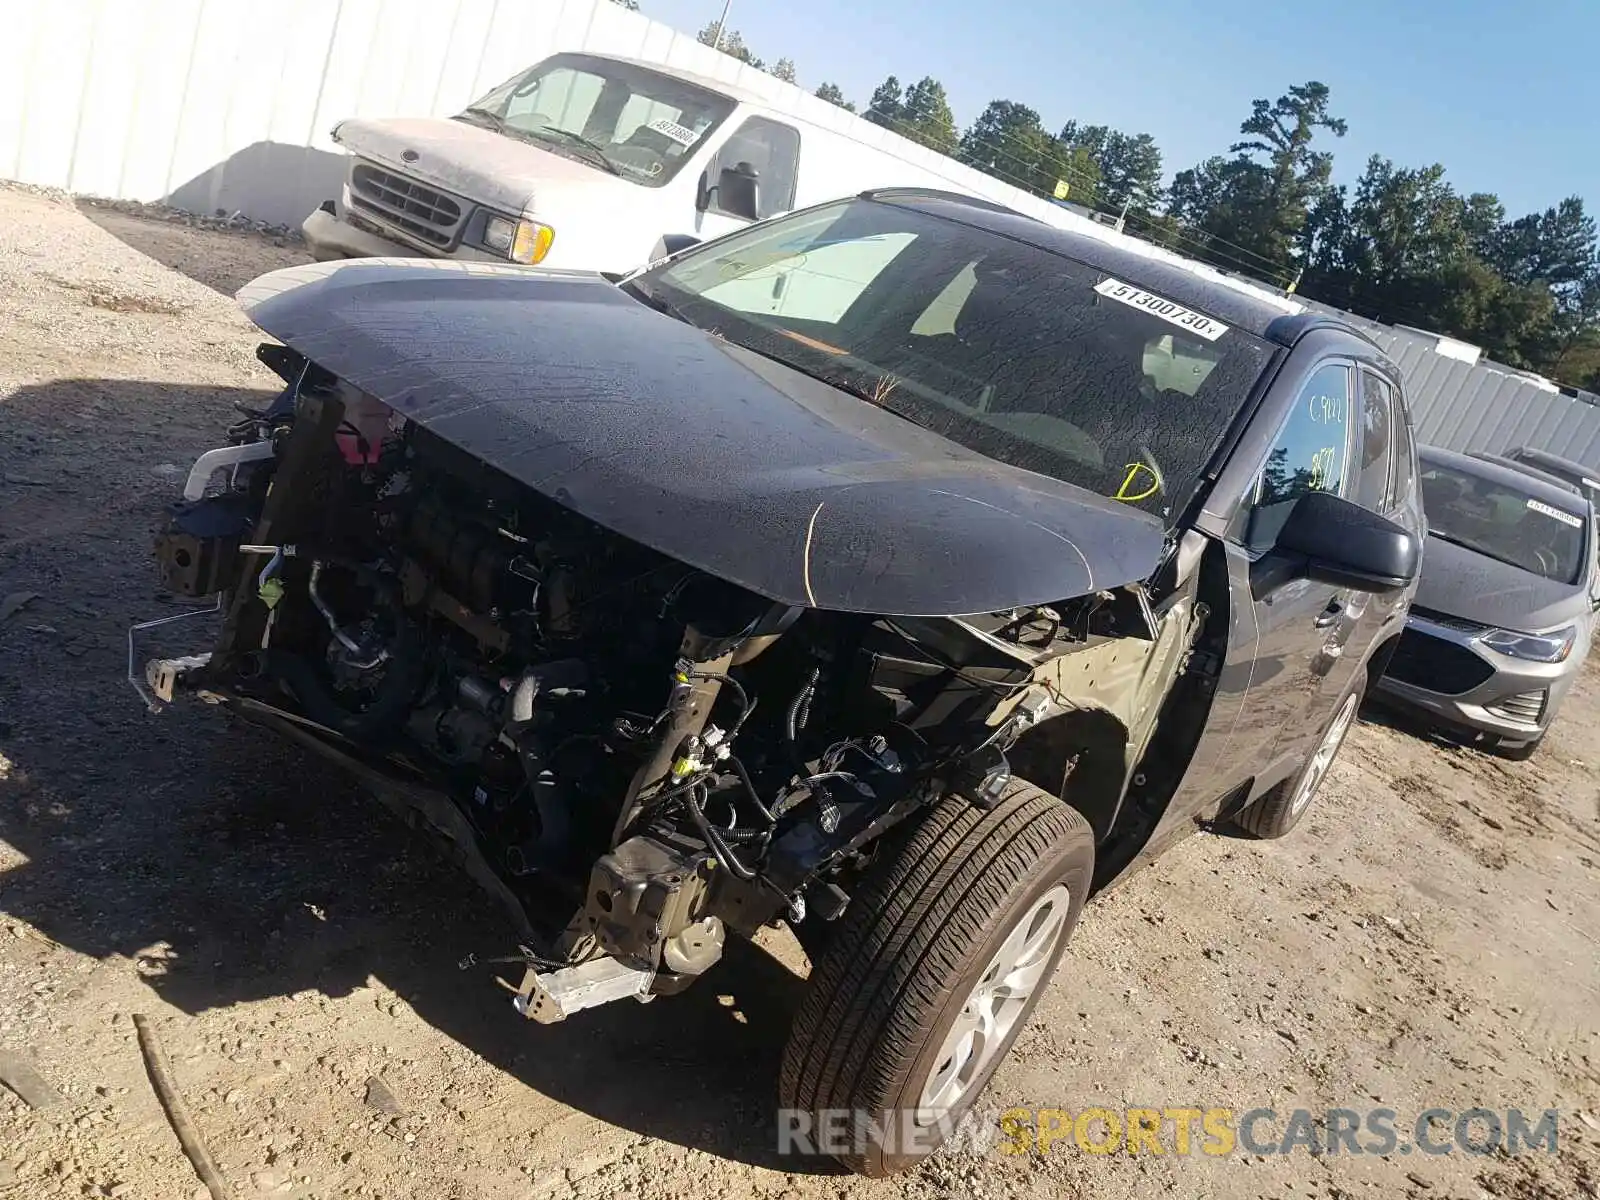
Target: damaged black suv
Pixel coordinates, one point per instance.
(902, 569)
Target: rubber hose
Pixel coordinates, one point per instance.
(402, 678)
(750, 789)
(799, 711)
(719, 847)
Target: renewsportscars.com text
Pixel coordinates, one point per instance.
(1265, 1131)
(1176, 1130)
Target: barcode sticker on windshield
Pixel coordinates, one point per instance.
(1565, 518)
(1196, 323)
(681, 134)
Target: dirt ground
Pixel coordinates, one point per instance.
(1427, 938)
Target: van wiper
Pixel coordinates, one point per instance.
(493, 119)
(577, 139)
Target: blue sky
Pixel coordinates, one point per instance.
(1505, 95)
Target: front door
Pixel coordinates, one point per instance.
(1287, 664)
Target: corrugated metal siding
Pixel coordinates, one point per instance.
(1490, 407)
(227, 104)
(1484, 405)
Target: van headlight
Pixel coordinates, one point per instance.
(1535, 647)
(521, 241)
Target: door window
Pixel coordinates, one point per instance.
(1375, 486)
(1310, 454)
(773, 150)
(1405, 458)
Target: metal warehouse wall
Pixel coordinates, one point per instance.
(1490, 407)
(1485, 405)
(226, 104)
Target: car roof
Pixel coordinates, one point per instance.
(1257, 315)
(1561, 494)
(1526, 468)
(1553, 464)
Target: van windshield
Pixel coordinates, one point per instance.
(618, 117)
(1012, 350)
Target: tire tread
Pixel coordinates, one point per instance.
(905, 941)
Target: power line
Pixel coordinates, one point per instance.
(1203, 243)
(1068, 170)
(1198, 240)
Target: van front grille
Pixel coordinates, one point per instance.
(424, 213)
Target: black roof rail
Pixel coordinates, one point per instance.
(923, 193)
(1290, 328)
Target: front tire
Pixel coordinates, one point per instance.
(1280, 809)
(932, 972)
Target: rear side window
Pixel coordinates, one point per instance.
(773, 150)
(1310, 455)
(1405, 457)
(1375, 486)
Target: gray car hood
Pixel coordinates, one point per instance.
(1463, 583)
(701, 450)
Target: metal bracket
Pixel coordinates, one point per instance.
(555, 995)
(152, 694)
(162, 674)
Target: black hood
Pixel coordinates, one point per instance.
(705, 452)
(1463, 583)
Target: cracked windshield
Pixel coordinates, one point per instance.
(1034, 359)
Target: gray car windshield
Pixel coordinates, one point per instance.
(621, 118)
(1504, 523)
(1016, 352)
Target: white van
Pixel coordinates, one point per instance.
(586, 161)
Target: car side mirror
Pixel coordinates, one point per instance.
(1347, 545)
(737, 192)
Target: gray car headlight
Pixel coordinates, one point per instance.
(1536, 647)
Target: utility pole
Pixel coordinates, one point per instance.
(722, 24)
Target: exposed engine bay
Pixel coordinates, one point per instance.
(635, 755)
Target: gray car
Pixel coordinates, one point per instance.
(1575, 473)
(1502, 618)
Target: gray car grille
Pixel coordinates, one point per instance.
(423, 213)
(1524, 706)
(1442, 667)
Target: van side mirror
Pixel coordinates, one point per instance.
(1347, 545)
(669, 244)
(737, 192)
